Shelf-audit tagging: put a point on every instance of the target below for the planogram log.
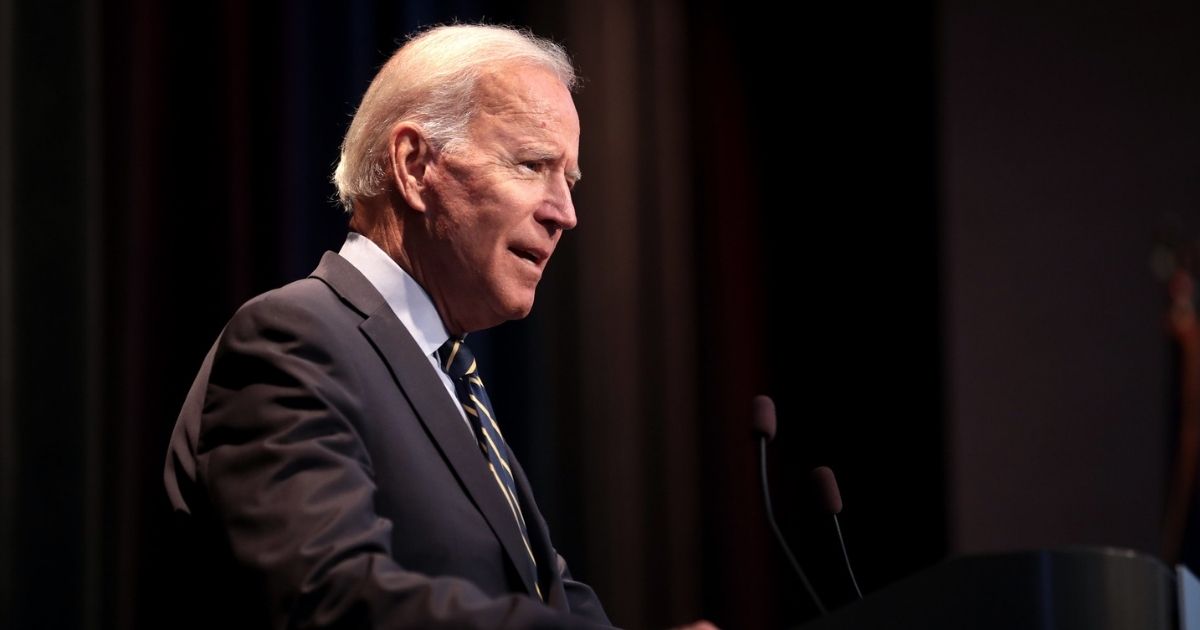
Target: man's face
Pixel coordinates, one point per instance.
(498, 202)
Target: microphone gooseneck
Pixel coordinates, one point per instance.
(831, 500)
(764, 427)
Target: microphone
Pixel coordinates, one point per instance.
(764, 417)
(764, 428)
(831, 500)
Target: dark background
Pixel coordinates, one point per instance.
(925, 230)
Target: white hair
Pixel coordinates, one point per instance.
(431, 81)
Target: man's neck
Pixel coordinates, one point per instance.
(377, 220)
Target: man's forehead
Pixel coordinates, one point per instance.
(527, 107)
(520, 89)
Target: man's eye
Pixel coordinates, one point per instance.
(534, 166)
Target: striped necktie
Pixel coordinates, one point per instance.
(459, 363)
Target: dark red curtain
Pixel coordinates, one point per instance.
(760, 197)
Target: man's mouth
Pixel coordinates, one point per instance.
(534, 257)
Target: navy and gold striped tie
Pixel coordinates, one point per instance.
(460, 364)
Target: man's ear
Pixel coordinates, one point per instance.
(411, 155)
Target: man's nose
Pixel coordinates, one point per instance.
(561, 209)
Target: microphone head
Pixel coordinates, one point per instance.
(827, 489)
(764, 417)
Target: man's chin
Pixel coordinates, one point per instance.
(521, 310)
(517, 304)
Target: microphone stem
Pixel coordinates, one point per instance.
(762, 451)
(846, 556)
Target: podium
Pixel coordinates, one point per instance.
(1069, 589)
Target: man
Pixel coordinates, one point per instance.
(337, 457)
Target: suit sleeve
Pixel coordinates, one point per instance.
(290, 483)
(580, 597)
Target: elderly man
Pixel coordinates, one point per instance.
(337, 457)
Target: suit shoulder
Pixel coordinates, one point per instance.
(307, 293)
(304, 305)
(299, 338)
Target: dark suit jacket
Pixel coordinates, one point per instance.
(321, 467)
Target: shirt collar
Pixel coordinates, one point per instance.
(407, 299)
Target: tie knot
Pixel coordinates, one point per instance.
(456, 359)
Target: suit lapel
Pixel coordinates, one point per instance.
(424, 390)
